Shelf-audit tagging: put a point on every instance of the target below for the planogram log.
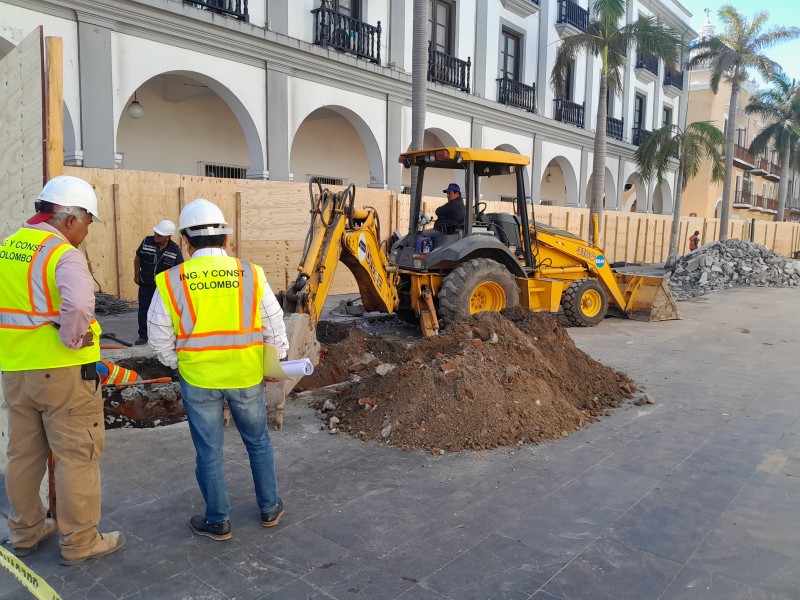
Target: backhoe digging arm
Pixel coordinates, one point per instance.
(340, 232)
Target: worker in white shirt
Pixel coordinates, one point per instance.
(211, 317)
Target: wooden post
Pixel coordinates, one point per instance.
(238, 233)
(636, 242)
(117, 234)
(627, 235)
(54, 100)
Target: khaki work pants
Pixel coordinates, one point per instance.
(54, 409)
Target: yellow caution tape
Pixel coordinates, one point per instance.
(35, 584)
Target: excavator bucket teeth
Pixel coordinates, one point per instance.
(647, 298)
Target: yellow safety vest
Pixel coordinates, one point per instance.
(214, 305)
(30, 305)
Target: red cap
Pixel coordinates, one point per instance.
(39, 217)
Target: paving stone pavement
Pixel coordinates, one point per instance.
(695, 497)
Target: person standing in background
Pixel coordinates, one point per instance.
(155, 254)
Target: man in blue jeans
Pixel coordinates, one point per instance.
(211, 317)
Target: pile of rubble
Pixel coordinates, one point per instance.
(489, 380)
(731, 263)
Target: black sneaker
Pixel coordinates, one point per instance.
(271, 518)
(140, 342)
(216, 531)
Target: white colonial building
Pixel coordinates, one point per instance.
(290, 89)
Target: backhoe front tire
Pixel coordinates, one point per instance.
(585, 303)
(474, 286)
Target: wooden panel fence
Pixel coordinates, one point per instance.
(271, 220)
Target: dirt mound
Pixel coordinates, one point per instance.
(489, 380)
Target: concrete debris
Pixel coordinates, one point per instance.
(384, 368)
(732, 263)
(328, 406)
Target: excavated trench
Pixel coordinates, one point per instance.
(140, 406)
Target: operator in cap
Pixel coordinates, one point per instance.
(49, 346)
(449, 216)
(155, 254)
(211, 317)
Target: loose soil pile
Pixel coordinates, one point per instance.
(142, 406)
(489, 380)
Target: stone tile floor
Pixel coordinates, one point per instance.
(695, 497)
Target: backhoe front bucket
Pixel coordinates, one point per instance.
(647, 298)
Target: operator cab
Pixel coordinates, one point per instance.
(488, 175)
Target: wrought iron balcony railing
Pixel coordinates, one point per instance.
(448, 70)
(639, 135)
(230, 8)
(647, 61)
(568, 112)
(347, 34)
(516, 93)
(742, 154)
(614, 128)
(570, 13)
(743, 197)
(673, 78)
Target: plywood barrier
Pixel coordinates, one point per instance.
(271, 220)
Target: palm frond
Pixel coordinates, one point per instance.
(610, 11)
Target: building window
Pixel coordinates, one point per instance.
(224, 171)
(441, 26)
(639, 105)
(328, 179)
(350, 8)
(667, 118)
(509, 55)
(725, 125)
(569, 81)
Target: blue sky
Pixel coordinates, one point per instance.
(781, 12)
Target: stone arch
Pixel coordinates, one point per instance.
(362, 165)
(506, 186)
(559, 174)
(662, 198)
(168, 84)
(436, 180)
(70, 143)
(718, 207)
(5, 46)
(634, 194)
(610, 191)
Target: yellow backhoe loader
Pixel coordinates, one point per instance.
(494, 261)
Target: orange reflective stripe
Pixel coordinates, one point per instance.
(45, 280)
(175, 308)
(234, 347)
(241, 293)
(187, 298)
(31, 267)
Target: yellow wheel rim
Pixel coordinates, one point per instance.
(488, 295)
(591, 303)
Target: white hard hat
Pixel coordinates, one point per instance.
(201, 212)
(165, 227)
(66, 191)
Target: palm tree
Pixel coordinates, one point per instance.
(729, 55)
(698, 142)
(780, 107)
(606, 38)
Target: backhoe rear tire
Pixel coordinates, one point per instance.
(474, 286)
(585, 303)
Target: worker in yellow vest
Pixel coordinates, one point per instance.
(49, 345)
(210, 318)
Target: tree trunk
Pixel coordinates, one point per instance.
(599, 161)
(672, 257)
(725, 209)
(783, 185)
(419, 85)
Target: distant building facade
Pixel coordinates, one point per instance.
(290, 89)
